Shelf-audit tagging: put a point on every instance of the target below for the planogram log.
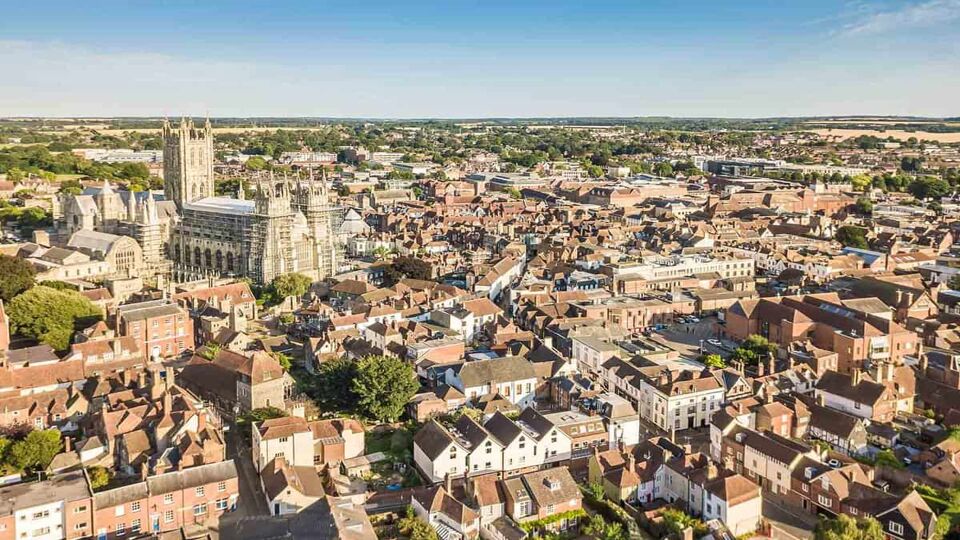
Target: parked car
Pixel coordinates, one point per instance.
(834, 463)
(715, 342)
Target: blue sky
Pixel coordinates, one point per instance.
(454, 58)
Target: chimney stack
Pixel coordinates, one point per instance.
(448, 482)
(856, 377)
(631, 462)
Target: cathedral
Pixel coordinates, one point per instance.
(189, 232)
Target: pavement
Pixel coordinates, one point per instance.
(687, 338)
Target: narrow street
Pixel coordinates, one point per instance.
(252, 502)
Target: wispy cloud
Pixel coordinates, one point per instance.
(910, 16)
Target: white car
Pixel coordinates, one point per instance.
(693, 319)
(715, 342)
(834, 463)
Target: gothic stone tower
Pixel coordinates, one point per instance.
(271, 253)
(187, 162)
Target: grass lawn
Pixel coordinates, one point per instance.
(378, 441)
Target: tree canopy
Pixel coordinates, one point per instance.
(851, 236)
(844, 527)
(383, 386)
(293, 284)
(754, 349)
(16, 276)
(36, 451)
(407, 267)
(50, 315)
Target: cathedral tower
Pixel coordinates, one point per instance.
(187, 161)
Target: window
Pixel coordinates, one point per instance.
(41, 515)
(168, 516)
(168, 498)
(199, 491)
(43, 531)
(551, 509)
(135, 506)
(222, 486)
(118, 511)
(895, 528)
(284, 439)
(135, 526)
(121, 529)
(80, 526)
(221, 504)
(824, 501)
(200, 509)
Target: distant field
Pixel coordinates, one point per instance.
(215, 130)
(881, 122)
(896, 134)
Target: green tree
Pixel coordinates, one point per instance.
(407, 267)
(861, 182)
(415, 528)
(99, 477)
(864, 206)
(714, 361)
(210, 350)
(754, 349)
(677, 520)
(255, 163)
(928, 188)
(663, 169)
(292, 284)
(911, 164)
(16, 175)
(71, 187)
(844, 527)
(284, 360)
(36, 451)
(852, 236)
(595, 526)
(50, 315)
(383, 386)
(335, 383)
(514, 193)
(16, 276)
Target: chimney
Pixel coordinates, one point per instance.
(142, 379)
(631, 462)
(820, 401)
(712, 471)
(899, 299)
(910, 298)
(760, 369)
(739, 407)
(68, 444)
(856, 377)
(791, 362)
(116, 347)
(448, 482)
(201, 421)
(771, 365)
